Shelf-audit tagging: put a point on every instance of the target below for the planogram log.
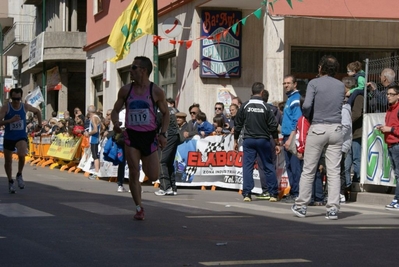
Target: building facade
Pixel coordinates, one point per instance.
(54, 59)
(276, 42)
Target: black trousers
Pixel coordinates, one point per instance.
(167, 171)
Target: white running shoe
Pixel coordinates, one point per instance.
(121, 189)
(167, 192)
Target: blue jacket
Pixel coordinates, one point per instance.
(292, 112)
(207, 127)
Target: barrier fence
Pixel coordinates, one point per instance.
(210, 161)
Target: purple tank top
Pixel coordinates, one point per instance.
(141, 111)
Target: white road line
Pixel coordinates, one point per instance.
(98, 208)
(216, 216)
(251, 262)
(372, 227)
(18, 210)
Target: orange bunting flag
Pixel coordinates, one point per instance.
(189, 43)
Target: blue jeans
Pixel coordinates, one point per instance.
(393, 153)
(261, 147)
(353, 158)
(293, 167)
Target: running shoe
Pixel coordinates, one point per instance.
(11, 188)
(121, 189)
(332, 214)
(20, 181)
(139, 214)
(299, 211)
(394, 205)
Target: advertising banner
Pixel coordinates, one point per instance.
(64, 147)
(375, 159)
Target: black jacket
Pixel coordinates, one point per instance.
(257, 119)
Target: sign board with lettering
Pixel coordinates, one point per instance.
(36, 50)
(220, 51)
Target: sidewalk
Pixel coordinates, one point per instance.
(372, 195)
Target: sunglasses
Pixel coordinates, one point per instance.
(134, 67)
(218, 108)
(193, 113)
(16, 98)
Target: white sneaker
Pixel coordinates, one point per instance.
(92, 176)
(121, 189)
(167, 192)
(342, 199)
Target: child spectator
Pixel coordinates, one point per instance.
(204, 127)
(355, 70)
(220, 126)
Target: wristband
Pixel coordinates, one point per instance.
(392, 129)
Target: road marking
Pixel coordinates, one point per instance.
(98, 208)
(250, 262)
(216, 216)
(372, 227)
(18, 210)
(2, 237)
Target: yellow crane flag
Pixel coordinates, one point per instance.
(136, 21)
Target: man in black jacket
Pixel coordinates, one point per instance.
(259, 123)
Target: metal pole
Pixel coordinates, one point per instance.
(44, 80)
(1, 66)
(155, 56)
(365, 86)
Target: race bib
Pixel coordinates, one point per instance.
(139, 117)
(17, 125)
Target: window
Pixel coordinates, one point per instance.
(167, 74)
(98, 92)
(97, 6)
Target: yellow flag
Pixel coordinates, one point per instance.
(136, 21)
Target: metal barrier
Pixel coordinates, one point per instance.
(376, 101)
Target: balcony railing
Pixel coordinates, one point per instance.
(20, 33)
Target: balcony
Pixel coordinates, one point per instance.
(54, 47)
(33, 2)
(18, 36)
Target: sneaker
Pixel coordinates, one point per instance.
(20, 181)
(342, 199)
(290, 199)
(263, 196)
(332, 215)
(394, 205)
(175, 193)
(273, 199)
(299, 211)
(167, 192)
(92, 176)
(247, 198)
(121, 189)
(139, 214)
(11, 188)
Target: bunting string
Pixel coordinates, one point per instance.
(218, 36)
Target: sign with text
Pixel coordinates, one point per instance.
(220, 48)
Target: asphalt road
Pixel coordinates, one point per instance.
(63, 219)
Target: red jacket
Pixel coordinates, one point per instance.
(302, 128)
(392, 120)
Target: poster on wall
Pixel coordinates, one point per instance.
(220, 51)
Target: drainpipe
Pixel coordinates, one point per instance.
(44, 76)
(1, 66)
(155, 56)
